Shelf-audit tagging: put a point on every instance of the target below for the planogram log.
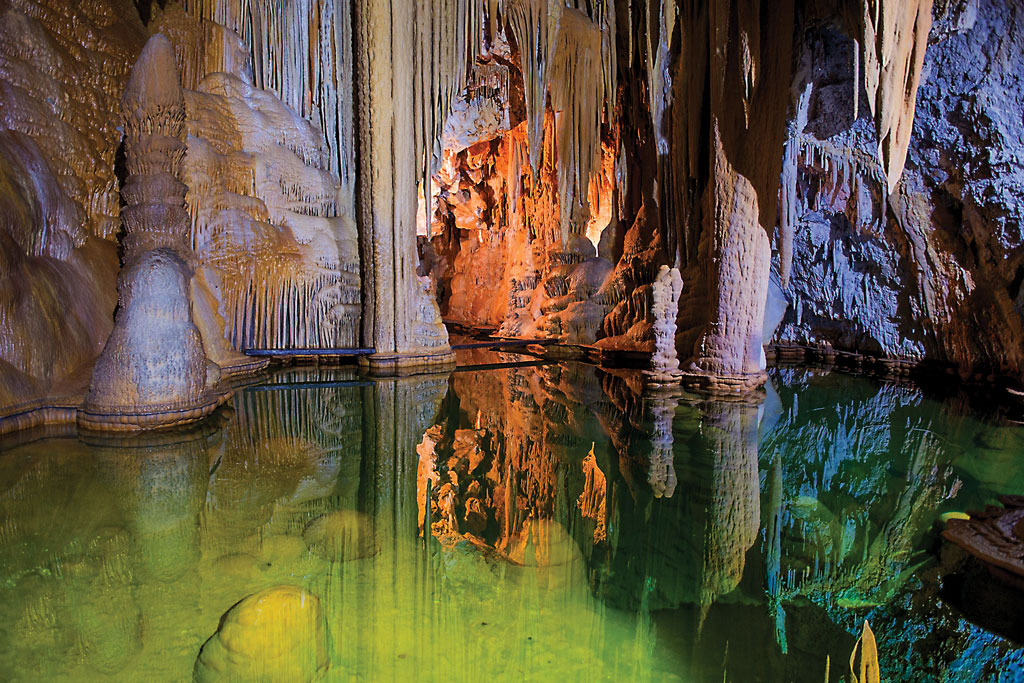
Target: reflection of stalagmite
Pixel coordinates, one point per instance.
(734, 512)
(162, 483)
(661, 473)
(153, 371)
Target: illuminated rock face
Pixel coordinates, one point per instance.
(153, 370)
(271, 221)
(62, 79)
(275, 635)
(560, 169)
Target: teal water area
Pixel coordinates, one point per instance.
(579, 530)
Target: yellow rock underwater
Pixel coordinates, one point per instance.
(277, 635)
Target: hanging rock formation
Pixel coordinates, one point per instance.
(153, 370)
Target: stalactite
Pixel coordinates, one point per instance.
(535, 25)
(577, 92)
(300, 50)
(893, 38)
(448, 36)
(788, 186)
(749, 21)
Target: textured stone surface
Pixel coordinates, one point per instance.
(278, 634)
(153, 370)
(931, 271)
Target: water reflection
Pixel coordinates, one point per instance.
(527, 521)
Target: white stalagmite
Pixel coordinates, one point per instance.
(665, 293)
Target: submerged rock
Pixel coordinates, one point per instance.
(994, 536)
(278, 634)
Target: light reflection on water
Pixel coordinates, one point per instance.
(579, 531)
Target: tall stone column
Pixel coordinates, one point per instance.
(153, 371)
(400, 318)
(747, 84)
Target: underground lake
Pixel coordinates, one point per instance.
(579, 529)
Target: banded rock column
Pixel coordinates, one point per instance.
(401, 319)
(153, 371)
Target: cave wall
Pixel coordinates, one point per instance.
(931, 271)
(63, 67)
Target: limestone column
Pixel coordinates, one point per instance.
(748, 55)
(400, 318)
(153, 371)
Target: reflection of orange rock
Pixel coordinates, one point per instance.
(592, 502)
(274, 635)
(342, 535)
(476, 516)
(545, 543)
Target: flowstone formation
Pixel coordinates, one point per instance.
(272, 222)
(60, 81)
(153, 370)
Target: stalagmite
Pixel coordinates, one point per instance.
(665, 309)
(153, 371)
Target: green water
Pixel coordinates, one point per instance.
(586, 532)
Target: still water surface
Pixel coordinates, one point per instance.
(579, 531)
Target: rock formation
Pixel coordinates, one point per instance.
(153, 370)
(63, 72)
(665, 308)
(995, 536)
(278, 634)
(271, 221)
(825, 179)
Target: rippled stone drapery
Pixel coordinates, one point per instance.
(726, 133)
